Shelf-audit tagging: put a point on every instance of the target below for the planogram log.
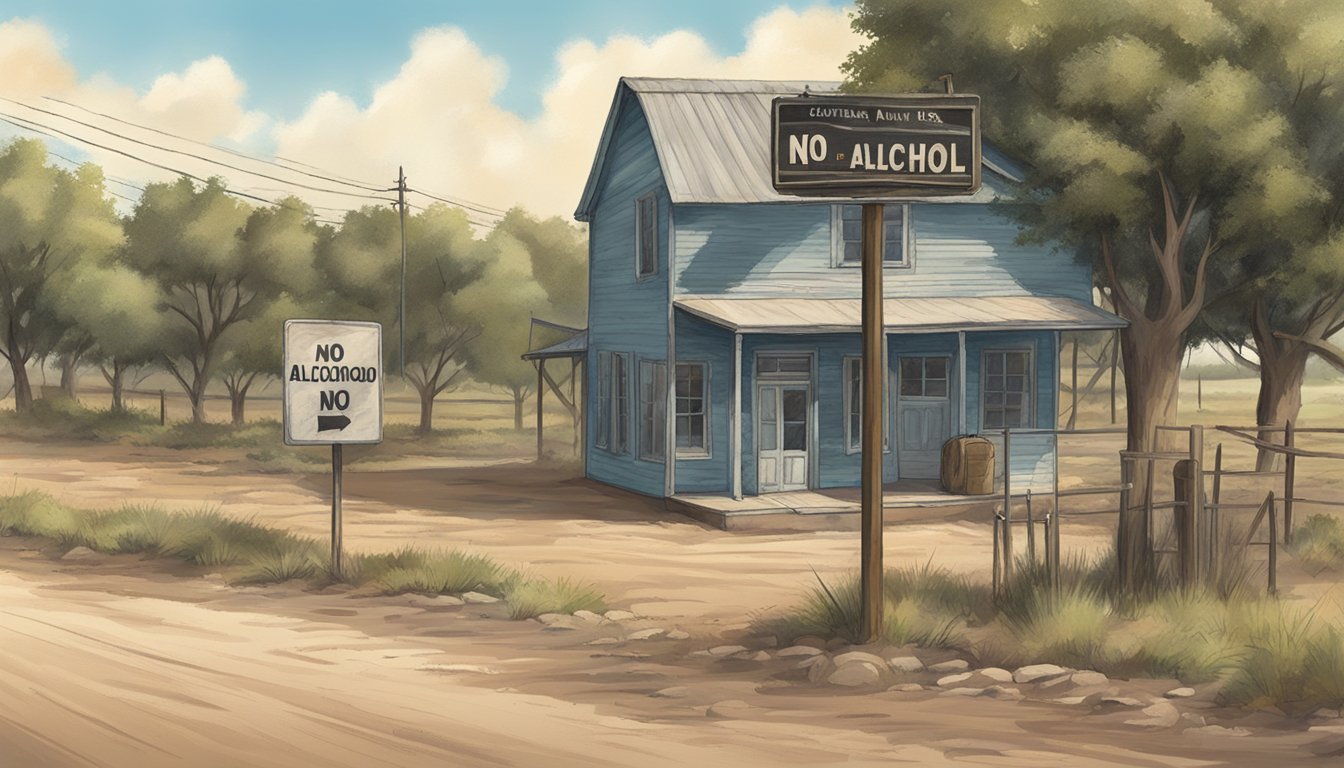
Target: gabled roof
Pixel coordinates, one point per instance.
(712, 138)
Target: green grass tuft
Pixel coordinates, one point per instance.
(532, 597)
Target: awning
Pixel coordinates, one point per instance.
(575, 345)
(912, 315)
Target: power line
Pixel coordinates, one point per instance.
(457, 203)
(193, 155)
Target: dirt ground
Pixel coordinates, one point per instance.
(123, 662)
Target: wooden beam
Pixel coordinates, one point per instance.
(961, 381)
(735, 421)
(541, 399)
(874, 397)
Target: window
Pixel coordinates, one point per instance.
(692, 410)
(785, 366)
(924, 376)
(849, 222)
(1007, 389)
(646, 236)
(620, 404)
(603, 432)
(854, 408)
(652, 410)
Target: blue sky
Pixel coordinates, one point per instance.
(287, 52)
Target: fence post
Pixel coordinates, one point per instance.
(1198, 530)
(1031, 530)
(1052, 540)
(1123, 554)
(997, 562)
(1215, 527)
(1186, 485)
(1149, 558)
(163, 408)
(1273, 547)
(1289, 478)
(1007, 507)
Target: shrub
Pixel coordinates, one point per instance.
(533, 597)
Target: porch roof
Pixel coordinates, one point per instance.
(901, 315)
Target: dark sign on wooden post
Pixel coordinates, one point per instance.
(864, 146)
(868, 148)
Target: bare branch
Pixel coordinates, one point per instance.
(1323, 349)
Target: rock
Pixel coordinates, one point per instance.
(962, 692)
(554, 622)
(1195, 720)
(1326, 714)
(729, 708)
(1334, 729)
(768, 641)
(477, 597)
(819, 668)
(1217, 730)
(82, 554)
(996, 674)
(797, 650)
(951, 680)
(1037, 672)
(1070, 701)
(646, 634)
(1088, 677)
(604, 641)
(675, 692)
(1159, 715)
(856, 673)
(431, 602)
(726, 650)
(1122, 701)
(816, 642)
(905, 664)
(1003, 693)
(852, 656)
(906, 687)
(836, 643)
(811, 661)
(678, 634)
(615, 615)
(217, 578)
(590, 617)
(1180, 693)
(949, 667)
(760, 656)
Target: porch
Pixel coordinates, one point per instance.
(833, 508)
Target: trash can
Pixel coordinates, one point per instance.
(968, 466)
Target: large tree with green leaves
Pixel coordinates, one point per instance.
(362, 261)
(217, 263)
(52, 221)
(1158, 147)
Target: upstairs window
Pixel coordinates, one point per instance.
(646, 236)
(849, 226)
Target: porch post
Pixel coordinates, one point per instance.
(874, 398)
(541, 397)
(670, 376)
(961, 381)
(735, 419)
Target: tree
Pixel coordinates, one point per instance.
(363, 263)
(501, 304)
(1157, 140)
(558, 252)
(217, 263)
(50, 220)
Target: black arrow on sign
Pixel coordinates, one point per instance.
(328, 423)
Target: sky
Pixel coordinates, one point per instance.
(496, 104)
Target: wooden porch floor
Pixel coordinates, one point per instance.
(902, 501)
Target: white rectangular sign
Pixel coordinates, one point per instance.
(333, 382)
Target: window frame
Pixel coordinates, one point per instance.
(652, 404)
(854, 442)
(838, 239)
(602, 427)
(620, 405)
(705, 388)
(1029, 394)
(651, 199)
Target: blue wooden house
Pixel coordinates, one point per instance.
(723, 331)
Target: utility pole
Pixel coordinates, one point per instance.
(873, 387)
(401, 304)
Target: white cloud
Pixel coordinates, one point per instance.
(438, 116)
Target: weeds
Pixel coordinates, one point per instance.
(1319, 543)
(529, 597)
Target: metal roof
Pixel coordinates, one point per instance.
(712, 138)
(915, 315)
(574, 346)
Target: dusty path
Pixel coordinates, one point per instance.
(656, 563)
(116, 664)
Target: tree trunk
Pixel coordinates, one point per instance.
(117, 382)
(70, 374)
(197, 396)
(519, 395)
(237, 403)
(1152, 359)
(1283, 367)
(23, 390)
(426, 411)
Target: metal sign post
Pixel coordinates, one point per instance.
(333, 395)
(869, 149)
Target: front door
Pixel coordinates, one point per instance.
(782, 431)
(923, 415)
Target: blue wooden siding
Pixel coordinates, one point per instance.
(626, 314)
(958, 249)
(1032, 456)
(700, 342)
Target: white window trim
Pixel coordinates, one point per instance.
(838, 240)
(658, 396)
(707, 452)
(1030, 404)
(850, 447)
(639, 248)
